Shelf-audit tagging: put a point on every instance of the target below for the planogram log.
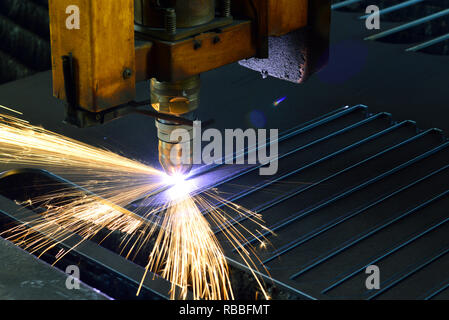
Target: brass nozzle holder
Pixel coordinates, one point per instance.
(181, 99)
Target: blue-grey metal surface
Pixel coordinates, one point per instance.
(344, 3)
(23, 277)
(353, 189)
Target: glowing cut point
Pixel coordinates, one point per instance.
(180, 186)
(173, 180)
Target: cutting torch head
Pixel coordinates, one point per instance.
(180, 99)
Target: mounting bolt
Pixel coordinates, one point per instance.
(197, 44)
(170, 20)
(226, 8)
(127, 73)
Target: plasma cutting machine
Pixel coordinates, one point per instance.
(356, 186)
(97, 63)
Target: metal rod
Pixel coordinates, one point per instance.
(394, 8)
(265, 183)
(300, 130)
(429, 43)
(170, 20)
(370, 233)
(296, 216)
(226, 8)
(300, 241)
(438, 291)
(409, 25)
(295, 132)
(338, 220)
(386, 254)
(336, 114)
(332, 135)
(352, 146)
(411, 272)
(344, 4)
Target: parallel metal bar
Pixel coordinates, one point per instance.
(394, 8)
(438, 291)
(428, 43)
(311, 126)
(339, 113)
(357, 144)
(323, 120)
(409, 25)
(300, 241)
(334, 134)
(370, 233)
(289, 133)
(265, 184)
(344, 4)
(410, 273)
(386, 254)
(347, 217)
(299, 191)
(90, 251)
(308, 145)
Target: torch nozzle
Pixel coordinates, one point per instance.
(171, 159)
(181, 99)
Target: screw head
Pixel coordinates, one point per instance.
(170, 11)
(127, 73)
(197, 44)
